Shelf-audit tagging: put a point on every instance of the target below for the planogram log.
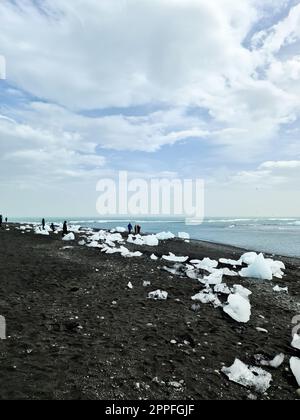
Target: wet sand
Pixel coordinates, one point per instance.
(75, 330)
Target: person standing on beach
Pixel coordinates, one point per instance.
(43, 224)
(130, 227)
(139, 228)
(53, 227)
(65, 229)
(6, 220)
(1, 220)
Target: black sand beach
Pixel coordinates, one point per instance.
(76, 331)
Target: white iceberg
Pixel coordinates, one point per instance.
(238, 308)
(259, 269)
(248, 376)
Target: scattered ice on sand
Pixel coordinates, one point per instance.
(69, 237)
(248, 376)
(280, 289)
(154, 257)
(259, 269)
(150, 240)
(274, 363)
(173, 258)
(183, 235)
(295, 368)
(158, 295)
(296, 341)
(238, 308)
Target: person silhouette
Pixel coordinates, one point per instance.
(130, 227)
(43, 224)
(1, 220)
(65, 229)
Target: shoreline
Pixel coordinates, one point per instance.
(76, 331)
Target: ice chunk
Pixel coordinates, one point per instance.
(296, 341)
(222, 288)
(259, 269)
(150, 240)
(40, 231)
(228, 272)
(164, 236)
(120, 230)
(69, 237)
(248, 258)
(230, 262)
(154, 257)
(206, 264)
(81, 243)
(295, 368)
(207, 296)
(280, 289)
(241, 290)
(129, 285)
(158, 295)
(183, 235)
(173, 258)
(238, 308)
(215, 278)
(276, 268)
(248, 376)
(274, 363)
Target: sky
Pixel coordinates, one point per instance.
(206, 89)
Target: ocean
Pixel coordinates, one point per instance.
(280, 236)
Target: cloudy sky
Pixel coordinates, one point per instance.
(174, 88)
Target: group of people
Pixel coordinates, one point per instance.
(1, 220)
(137, 229)
(52, 226)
